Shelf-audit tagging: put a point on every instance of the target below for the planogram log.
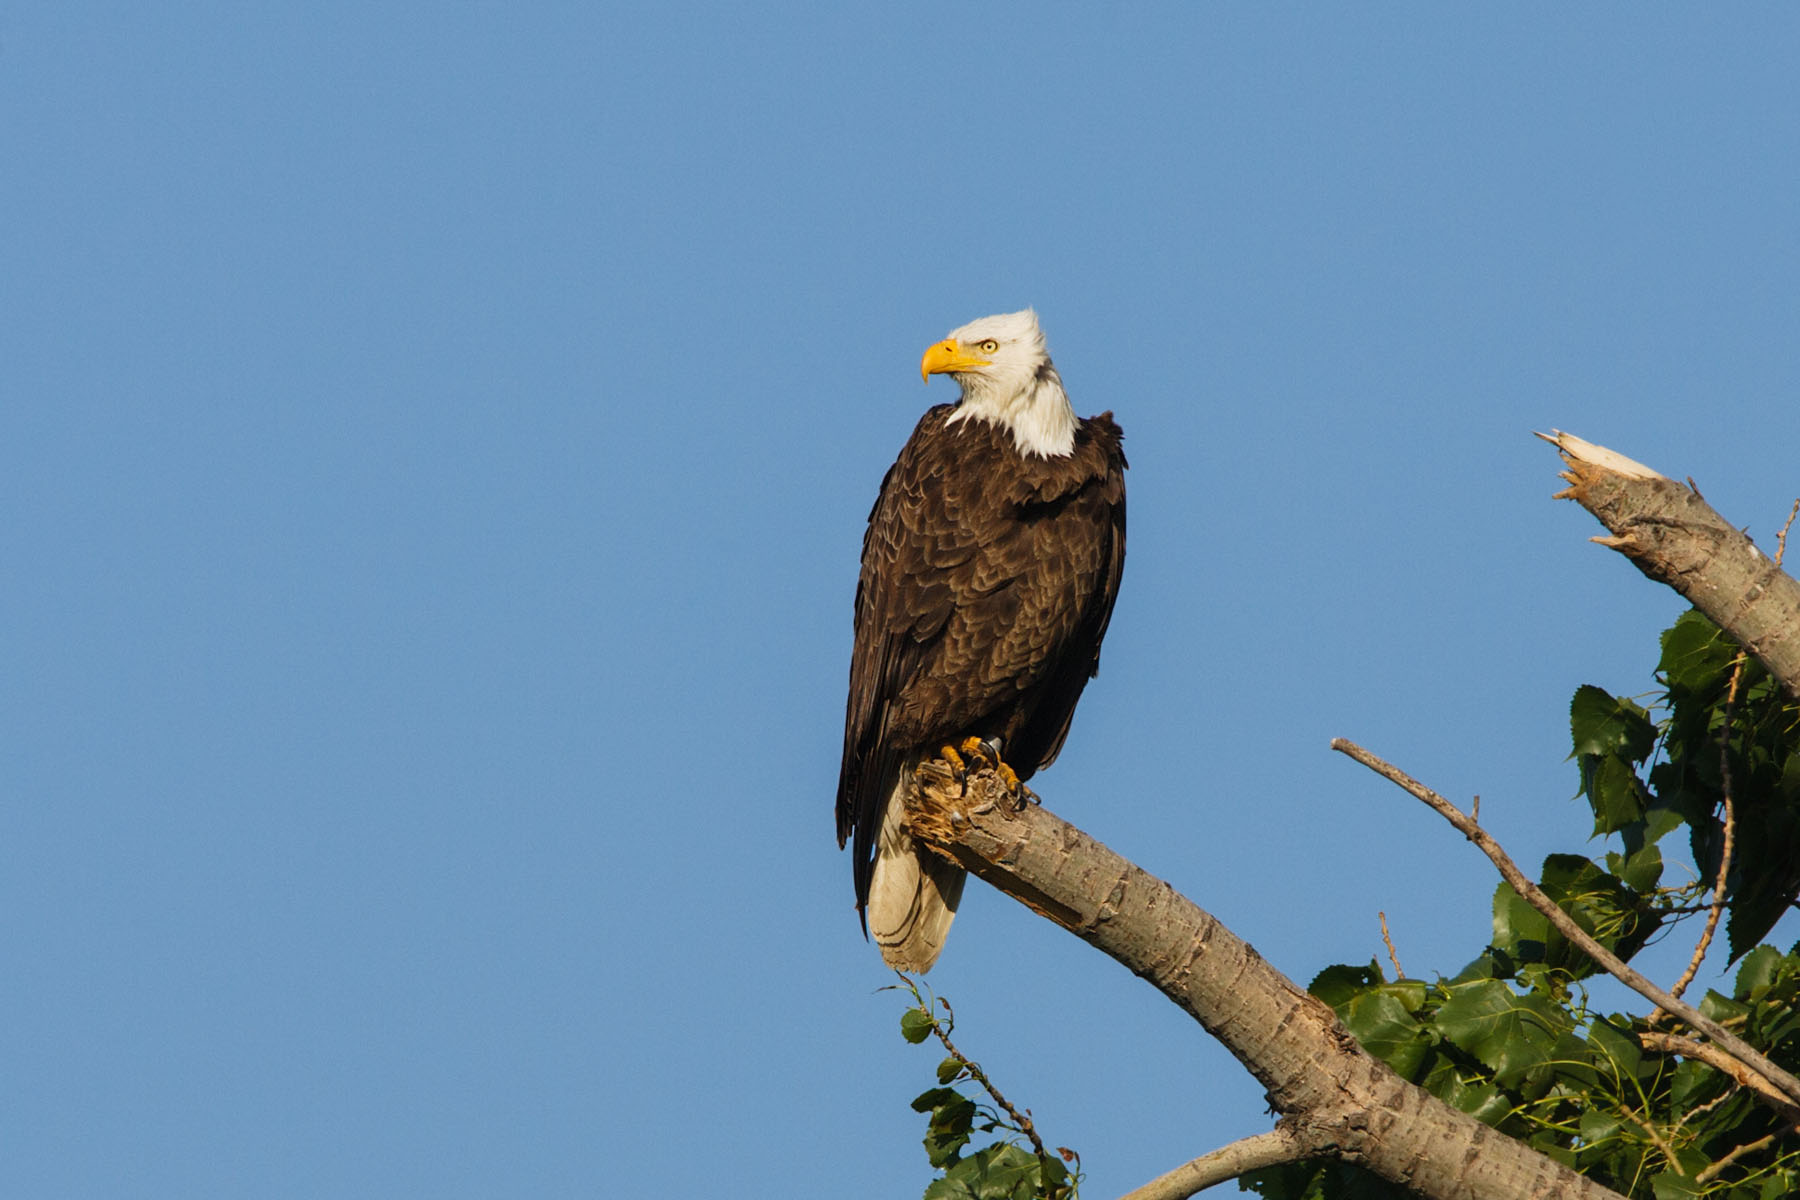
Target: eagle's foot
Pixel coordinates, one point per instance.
(974, 754)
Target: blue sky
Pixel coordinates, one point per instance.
(436, 441)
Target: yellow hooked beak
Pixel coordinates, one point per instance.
(947, 356)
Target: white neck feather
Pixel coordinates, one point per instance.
(1038, 412)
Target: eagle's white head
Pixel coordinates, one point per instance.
(1007, 380)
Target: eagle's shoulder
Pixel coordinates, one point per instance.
(1103, 436)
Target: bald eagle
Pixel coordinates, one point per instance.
(989, 570)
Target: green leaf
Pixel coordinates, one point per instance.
(1642, 870)
(1336, 985)
(1695, 655)
(1615, 793)
(1520, 931)
(1767, 873)
(1572, 1063)
(949, 1070)
(1601, 724)
(1722, 1008)
(1478, 1098)
(1493, 963)
(999, 1172)
(1600, 904)
(1760, 968)
(915, 1025)
(1509, 1033)
(1616, 1048)
(1693, 1083)
(1410, 993)
(1388, 1031)
(934, 1098)
(1780, 1186)
(1670, 1186)
(1788, 782)
(1597, 1124)
(951, 1124)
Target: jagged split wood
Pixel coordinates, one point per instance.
(1335, 1098)
(1673, 535)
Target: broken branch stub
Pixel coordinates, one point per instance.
(1674, 536)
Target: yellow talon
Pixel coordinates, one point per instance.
(1010, 778)
(958, 768)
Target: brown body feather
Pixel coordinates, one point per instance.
(988, 578)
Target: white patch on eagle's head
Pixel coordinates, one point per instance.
(1007, 380)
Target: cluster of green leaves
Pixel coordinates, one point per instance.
(1646, 779)
(1512, 1039)
(1003, 1169)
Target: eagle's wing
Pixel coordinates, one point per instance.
(1093, 530)
(905, 597)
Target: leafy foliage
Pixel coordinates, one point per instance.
(1763, 761)
(1512, 1038)
(1001, 1170)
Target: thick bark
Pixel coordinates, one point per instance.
(1337, 1099)
(1672, 535)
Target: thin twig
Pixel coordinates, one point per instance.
(1279, 1145)
(1565, 924)
(1781, 538)
(1700, 1110)
(1021, 1121)
(1711, 1173)
(1718, 897)
(1399, 971)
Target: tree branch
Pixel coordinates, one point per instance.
(1335, 1094)
(1279, 1145)
(1782, 1082)
(1718, 1060)
(1674, 537)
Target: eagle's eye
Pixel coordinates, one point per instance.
(988, 346)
